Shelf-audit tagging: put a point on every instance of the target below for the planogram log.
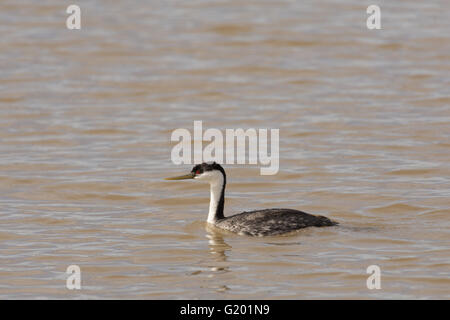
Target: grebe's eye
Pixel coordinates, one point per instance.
(197, 172)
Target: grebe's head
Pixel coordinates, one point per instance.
(208, 172)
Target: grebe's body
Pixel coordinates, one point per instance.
(267, 222)
(271, 222)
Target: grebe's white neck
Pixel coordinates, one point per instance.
(217, 188)
(216, 193)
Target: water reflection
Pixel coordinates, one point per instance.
(218, 248)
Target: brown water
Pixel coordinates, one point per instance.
(86, 118)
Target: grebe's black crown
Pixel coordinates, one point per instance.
(200, 168)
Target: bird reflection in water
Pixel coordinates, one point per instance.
(218, 249)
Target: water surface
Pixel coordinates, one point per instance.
(85, 125)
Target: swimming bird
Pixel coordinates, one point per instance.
(266, 222)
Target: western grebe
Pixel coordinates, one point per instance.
(267, 222)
